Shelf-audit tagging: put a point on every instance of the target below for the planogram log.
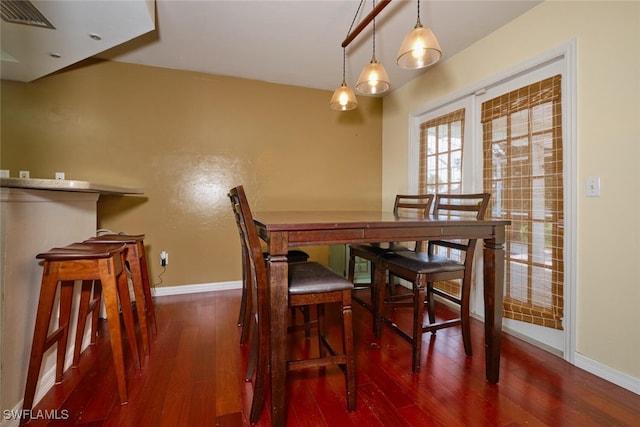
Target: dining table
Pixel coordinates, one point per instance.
(283, 230)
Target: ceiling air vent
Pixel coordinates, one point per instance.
(23, 12)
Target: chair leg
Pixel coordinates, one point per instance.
(347, 336)
(464, 316)
(378, 300)
(252, 360)
(306, 315)
(431, 305)
(321, 330)
(391, 284)
(352, 268)
(260, 383)
(418, 317)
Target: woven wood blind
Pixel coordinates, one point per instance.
(522, 137)
(441, 142)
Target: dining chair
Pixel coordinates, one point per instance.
(432, 272)
(404, 204)
(244, 316)
(309, 284)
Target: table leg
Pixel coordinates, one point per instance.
(493, 293)
(278, 301)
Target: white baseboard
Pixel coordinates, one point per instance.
(192, 289)
(619, 378)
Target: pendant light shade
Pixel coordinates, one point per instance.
(420, 47)
(373, 79)
(343, 98)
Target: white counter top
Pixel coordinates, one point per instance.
(66, 185)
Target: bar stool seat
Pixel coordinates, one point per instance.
(88, 263)
(137, 262)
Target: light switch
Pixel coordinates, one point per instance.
(593, 186)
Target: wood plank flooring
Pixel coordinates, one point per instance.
(194, 377)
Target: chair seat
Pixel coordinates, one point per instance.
(312, 277)
(119, 238)
(422, 262)
(80, 251)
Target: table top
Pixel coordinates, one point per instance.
(309, 228)
(300, 220)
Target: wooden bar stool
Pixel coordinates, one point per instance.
(137, 261)
(86, 262)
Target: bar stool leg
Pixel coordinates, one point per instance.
(127, 316)
(113, 321)
(96, 305)
(66, 296)
(41, 342)
(148, 298)
(138, 289)
(89, 304)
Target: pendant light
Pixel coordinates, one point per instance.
(373, 79)
(343, 98)
(420, 47)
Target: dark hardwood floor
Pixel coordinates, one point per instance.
(194, 377)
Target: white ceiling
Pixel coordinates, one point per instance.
(295, 42)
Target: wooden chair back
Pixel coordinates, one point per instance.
(459, 205)
(250, 241)
(413, 205)
(257, 284)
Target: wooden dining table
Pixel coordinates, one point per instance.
(289, 229)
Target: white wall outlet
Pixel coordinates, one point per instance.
(592, 186)
(164, 258)
(5, 173)
(24, 174)
(59, 175)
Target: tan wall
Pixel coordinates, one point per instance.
(607, 36)
(185, 138)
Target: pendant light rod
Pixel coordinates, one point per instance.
(363, 24)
